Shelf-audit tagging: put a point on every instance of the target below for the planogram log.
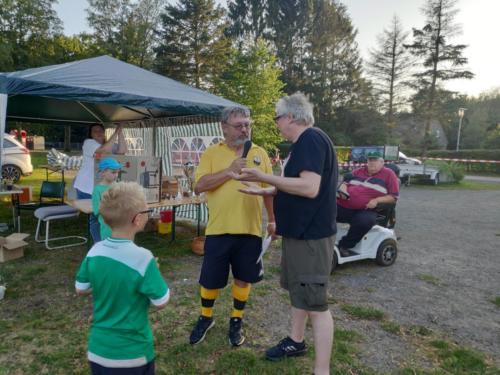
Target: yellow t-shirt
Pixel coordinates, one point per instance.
(229, 211)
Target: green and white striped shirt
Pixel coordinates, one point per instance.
(125, 280)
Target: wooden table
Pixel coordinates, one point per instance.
(85, 206)
(53, 169)
(14, 195)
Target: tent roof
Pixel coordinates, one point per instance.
(101, 89)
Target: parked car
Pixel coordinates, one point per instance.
(403, 159)
(16, 159)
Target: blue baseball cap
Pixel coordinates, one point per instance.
(109, 163)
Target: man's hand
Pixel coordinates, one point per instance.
(271, 230)
(372, 203)
(250, 174)
(236, 166)
(254, 189)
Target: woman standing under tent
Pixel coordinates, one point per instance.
(96, 143)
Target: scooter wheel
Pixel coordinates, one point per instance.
(387, 252)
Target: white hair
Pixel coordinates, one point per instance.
(297, 106)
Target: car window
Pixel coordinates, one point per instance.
(8, 144)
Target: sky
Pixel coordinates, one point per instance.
(479, 20)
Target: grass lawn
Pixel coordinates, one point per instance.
(44, 325)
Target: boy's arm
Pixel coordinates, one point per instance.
(154, 286)
(82, 282)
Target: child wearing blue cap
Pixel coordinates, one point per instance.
(108, 170)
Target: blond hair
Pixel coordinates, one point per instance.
(121, 202)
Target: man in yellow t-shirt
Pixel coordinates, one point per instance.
(233, 234)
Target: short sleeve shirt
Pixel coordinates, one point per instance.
(362, 187)
(309, 218)
(84, 180)
(125, 281)
(230, 211)
(105, 230)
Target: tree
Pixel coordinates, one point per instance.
(252, 79)
(333, 65)
(389, 67)
(193, 47)
(288, 23)
(26, 29)
(441, 60)
(125, 30)
(249, 18)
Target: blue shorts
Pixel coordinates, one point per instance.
(147, 369)
(240, 251)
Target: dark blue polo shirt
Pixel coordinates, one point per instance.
(305, 218)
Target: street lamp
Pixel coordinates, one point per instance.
(461, 113)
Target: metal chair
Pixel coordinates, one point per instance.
(51, 194)
(51, 213)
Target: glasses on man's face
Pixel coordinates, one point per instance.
(148, 212)
(277, 118)
(241, 125)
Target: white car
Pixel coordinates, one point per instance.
(403, 159)
(16, 159)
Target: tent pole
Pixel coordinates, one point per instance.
(3, 119)
(89, 111)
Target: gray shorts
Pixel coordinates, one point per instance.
(305, 271)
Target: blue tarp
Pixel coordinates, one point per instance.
(101, 89)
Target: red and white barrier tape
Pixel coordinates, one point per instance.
(467, 160)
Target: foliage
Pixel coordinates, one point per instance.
(478, 154)
(193, 48)
(125, 30)
(455, 170)
(26, 30)
(441, 61)
(252, 79)
(249, 19)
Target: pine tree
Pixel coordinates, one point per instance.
(125, 30)
(441, 60)
(193, 47)
(249, 19)
(389, 68)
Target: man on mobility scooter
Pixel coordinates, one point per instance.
(366, 200)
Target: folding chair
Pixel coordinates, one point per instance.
(51, 213)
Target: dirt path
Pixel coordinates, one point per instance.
(444, 279)
(451, 236)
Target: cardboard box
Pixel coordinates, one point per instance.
(12, 247)
(144, 170)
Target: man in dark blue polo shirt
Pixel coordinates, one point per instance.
(305, 211)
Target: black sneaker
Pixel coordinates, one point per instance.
(286, 348)
(200, 330)
(235, 336)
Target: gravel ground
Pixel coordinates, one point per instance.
(452, 235)
(444, 279)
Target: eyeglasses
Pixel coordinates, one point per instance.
(277, 118)
(245, 125)
(149, 212)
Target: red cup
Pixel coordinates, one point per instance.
(166, 216)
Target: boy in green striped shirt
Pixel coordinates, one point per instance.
(124, 281)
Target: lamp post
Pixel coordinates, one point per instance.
(461, 112)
